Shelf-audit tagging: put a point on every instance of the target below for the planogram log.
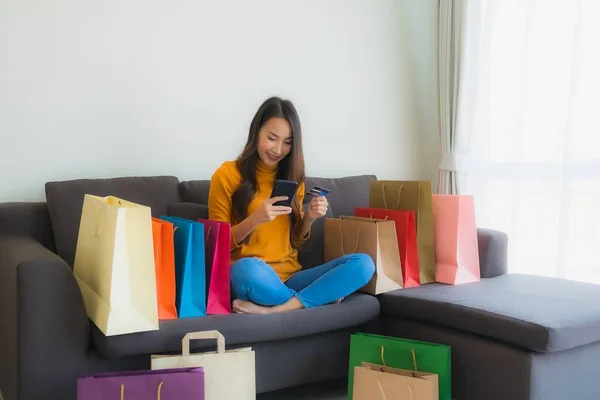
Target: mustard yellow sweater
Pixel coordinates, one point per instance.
(270, 241)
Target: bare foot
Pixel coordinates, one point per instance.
(248, 307)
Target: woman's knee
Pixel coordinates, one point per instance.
(244, 269)
(365, 267)
(254, 280)
(249, 269)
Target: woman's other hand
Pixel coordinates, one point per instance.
(317, 208)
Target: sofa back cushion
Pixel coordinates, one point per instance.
(190, 211)
(65, 200)
(195, 191)
(346, 194)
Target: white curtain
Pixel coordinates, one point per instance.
(450, 33)
(535, 124)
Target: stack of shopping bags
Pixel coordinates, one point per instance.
(415, 237)
(384, 367)
(134, 270)
(200, 376)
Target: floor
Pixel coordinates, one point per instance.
(330, 390)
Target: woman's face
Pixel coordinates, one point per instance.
(274, 141)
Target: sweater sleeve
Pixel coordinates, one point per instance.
(300, 196)
(222, 186)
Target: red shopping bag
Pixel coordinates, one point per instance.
(456, 245)
(406, 231)
(218, 279)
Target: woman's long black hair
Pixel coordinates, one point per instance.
(290, 168)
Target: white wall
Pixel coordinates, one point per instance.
(94, 89)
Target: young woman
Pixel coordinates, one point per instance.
(265, 274)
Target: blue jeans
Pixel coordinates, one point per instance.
(254, 280)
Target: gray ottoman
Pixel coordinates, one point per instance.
(513, 337)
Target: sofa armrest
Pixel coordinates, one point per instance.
(44, 322)
(27, 219)
(493, 252)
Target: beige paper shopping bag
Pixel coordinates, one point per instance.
(372, 382)
(114, 265)
(228, 375)
(375, 237)
(411, 196)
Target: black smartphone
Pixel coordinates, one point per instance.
(283, 187)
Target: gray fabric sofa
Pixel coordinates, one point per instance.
(512, 336)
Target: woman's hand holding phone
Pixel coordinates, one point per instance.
(267, 212)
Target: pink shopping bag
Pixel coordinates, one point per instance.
(456, 246)
(217, 235)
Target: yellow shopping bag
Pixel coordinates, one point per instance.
(114, 265)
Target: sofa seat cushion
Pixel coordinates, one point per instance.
(241, 329)
(537, 313)
(65, 200)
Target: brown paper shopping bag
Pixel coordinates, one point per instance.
(413, 196)
(372, 381)
(375, 237)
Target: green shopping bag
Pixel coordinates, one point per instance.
(401, 353)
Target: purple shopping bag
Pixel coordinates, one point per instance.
(165, 384)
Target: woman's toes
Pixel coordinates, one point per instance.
(235, 306)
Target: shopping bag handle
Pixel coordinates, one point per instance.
(342, 241)
(414, 357)
(207, 235)
(185, 343)
(159, 390)
(371, 216)
(398, 198)
(380, 389)
(384, 397)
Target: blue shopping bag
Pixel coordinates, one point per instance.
(190, 267)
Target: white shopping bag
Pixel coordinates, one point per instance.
(228, 375)
(114, 265)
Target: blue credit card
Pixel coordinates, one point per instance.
(318, 191)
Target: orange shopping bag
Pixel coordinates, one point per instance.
(164, 262)
(456, 246)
